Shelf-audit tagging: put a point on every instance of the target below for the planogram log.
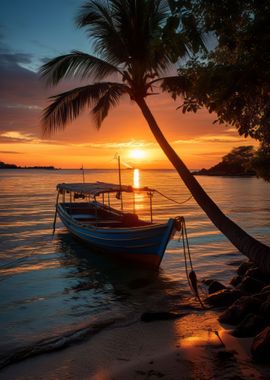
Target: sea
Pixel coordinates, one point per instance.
(55, 291)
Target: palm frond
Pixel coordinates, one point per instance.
(99, 18)
(108, 100)
(76, 65)
(195, 39)
(66, 106)
(128, 33)
(140, 25)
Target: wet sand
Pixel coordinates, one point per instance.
(186, 348)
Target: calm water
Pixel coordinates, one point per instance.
(51, 286)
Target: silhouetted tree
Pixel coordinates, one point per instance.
(131, 46)
(233, 79)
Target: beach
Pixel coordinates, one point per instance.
(186, 348)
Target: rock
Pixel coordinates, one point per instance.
(250, 285)
(256, 273)
(251, 325)
(236, 280)
(208, 281)
(266, 289)
(246, 265)
(262, 295)
(253, 272)
(161, 316)
(223, 297)
(265, 307)
(260, 347)
(239, 309)
(215, 286)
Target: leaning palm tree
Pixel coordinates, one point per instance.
(131, 58)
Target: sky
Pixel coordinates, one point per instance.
(33, 31)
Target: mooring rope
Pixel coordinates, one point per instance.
(173, 200)
(180, 225)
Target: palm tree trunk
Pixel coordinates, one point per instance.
(246, 244)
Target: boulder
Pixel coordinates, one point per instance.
(260, 347)
(251, 325)
(236, 280)
(266, 289)
(208, 281)
(262, 295)
(223, 297)
(246, 265)
(265, 308)
(239, 309)
(250, 285)
(215, 286)
(256, 273)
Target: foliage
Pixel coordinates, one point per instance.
(240, 157)
(261, 163)
(235, 163)
(3, 165)
(243, 160)
(233, 79)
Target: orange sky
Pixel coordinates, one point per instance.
(26, 42)
(193, 136)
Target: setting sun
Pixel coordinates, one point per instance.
(137, 154)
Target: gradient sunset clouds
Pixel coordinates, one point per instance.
(33, 31)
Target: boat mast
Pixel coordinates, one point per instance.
(120, 182)
(83, 173)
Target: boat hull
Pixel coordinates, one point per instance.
(143, 245)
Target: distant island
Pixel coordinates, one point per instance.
(220, 170)
(3, 165)
(236, 163)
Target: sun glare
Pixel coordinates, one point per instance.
(137, 154)
(136, 178)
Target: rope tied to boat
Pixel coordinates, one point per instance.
(173, 200)
(180, 225)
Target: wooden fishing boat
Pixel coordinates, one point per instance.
(108, 230)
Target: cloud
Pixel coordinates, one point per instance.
(16, 137)
(209, 154)
(24, 106)
(10, 152)
(11, 60)
(21, 137)
(212, 139)
(115, 145)
(222, 139)
(22, 96)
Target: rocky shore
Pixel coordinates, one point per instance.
(246, 304)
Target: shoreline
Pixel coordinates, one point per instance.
(140, 350)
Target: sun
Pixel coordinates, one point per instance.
(137, 154)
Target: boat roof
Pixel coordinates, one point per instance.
(96, 188)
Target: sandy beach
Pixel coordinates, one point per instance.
(186, 348)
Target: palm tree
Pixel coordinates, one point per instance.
(127, 37)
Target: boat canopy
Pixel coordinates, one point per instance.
(96, 188)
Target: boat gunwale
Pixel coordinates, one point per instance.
(121, 230)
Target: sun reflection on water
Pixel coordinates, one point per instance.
(138, 197)
(136, 178)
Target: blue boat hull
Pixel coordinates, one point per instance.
(143, 244)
